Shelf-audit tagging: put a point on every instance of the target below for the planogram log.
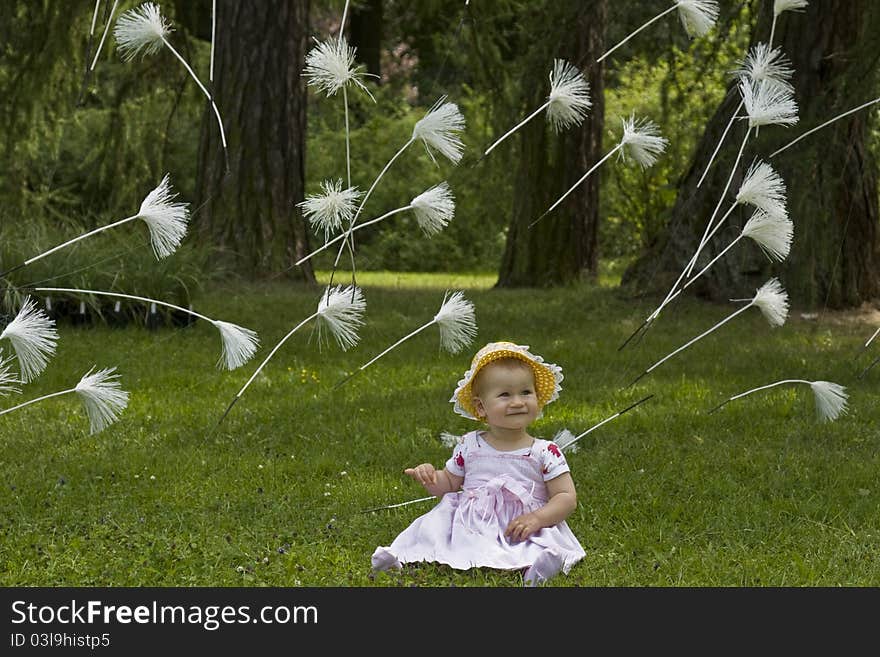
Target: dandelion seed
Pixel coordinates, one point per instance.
(769, 65)
(697, 17)
(102, 397)
(457, 328)
(456, 321)
(771, 299)
(438, 129)
(640, 139)
(33, 337)
(166, 220)
(770, 232)
(434, 208)
(141, 30)
(239, 343)
(763, 188)
(340, 314)
(330, 67)
(569, 98)
(100, 394)
(332, 208)
(780, 6)
(144, 30)
(566, 105)
(768, 104)
(830, 398)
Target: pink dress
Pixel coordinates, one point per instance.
(466, 528)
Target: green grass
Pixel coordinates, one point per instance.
(758, 493)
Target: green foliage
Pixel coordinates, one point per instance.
(679, 91)
(757, 494)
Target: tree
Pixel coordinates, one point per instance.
(831, 176)
(561, 247)
(366, 34)
(250, 209)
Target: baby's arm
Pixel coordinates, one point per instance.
(438, 483)
(563, 500)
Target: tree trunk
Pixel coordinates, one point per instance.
(831, 176)
(366, 35)
(562, 246)
(250, 210)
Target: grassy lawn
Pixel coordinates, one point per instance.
(758, 493)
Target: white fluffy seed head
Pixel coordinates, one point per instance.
(140, 30)
(8, 380)
(642, 140)
(697, 16)
(768, 104)
(830, 399)
(330, 66)
(780, 6)
(569, 96)
(457, 323)
(33, 337)
(439, 129)
(239, 344)
(763, 188)
(434, 208)
(772, 233)
(340, 314)
(166, 220)
(450, 440)
(103, 398)
(328, 210)
(765, 64)
(772, 300)
(565, 440)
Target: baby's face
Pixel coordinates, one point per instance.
(505, 395)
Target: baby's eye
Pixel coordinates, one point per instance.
(527, 392)
(504, 394)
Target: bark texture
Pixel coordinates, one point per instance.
(250, 208)
(561, 247)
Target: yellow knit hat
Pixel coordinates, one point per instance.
(547, 375)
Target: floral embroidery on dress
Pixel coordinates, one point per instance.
(553, 449)
(459, 460)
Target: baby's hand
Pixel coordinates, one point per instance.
(521, 527)
(425, 474)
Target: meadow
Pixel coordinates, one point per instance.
(758, 493)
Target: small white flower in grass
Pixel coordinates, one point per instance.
(457, 323)
(642, 140)
(830, 399)
(772, 300)
(340, 313)
(569, 97)
(239, 344)
(697, 16)
(327, 211)
(780, 6)
(141, 29)
(33, 337)
(766, 64)
(166, 220)
(330, 66)
(768, 104)
(773, 233)
(103, 398)
(764, 189)
(565, 440)
(438, 129)
(8, 380)
(434, 208)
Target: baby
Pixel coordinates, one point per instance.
(504, 494)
